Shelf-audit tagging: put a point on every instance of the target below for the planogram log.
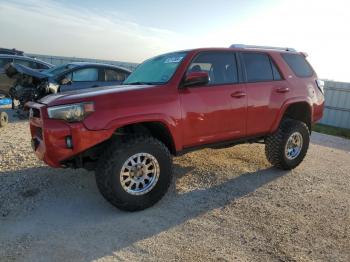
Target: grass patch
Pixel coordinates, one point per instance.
(331, 130)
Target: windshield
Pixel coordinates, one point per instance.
(59, 69)
(157, 70)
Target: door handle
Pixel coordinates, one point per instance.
(95, 86)
(238, 94)
(282, 90)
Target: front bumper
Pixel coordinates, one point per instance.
(49, 137)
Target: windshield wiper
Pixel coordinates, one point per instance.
(137, 83)
(143, 83)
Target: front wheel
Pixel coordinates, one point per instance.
(287, 148)
(134, 174)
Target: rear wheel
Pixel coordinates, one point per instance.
(287, 147)
(134, 174)
(4, 119)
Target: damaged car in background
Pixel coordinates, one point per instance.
(8, 56)
(31, 85)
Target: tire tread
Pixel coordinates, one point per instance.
(108, 160)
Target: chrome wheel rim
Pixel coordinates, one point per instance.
(139, 174)
(294, 146)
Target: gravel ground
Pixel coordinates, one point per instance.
(226, 205)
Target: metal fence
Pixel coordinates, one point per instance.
(59, 60)
(337, 104)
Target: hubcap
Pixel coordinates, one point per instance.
(294, 146)
(139, 174)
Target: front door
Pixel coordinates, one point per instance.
(82, 78)
(217, 111)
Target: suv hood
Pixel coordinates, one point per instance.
(16, 69)
(88, 94)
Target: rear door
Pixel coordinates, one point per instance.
(266, 91)
(82, 78)
(216, 111)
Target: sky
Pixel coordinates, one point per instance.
(133, 31)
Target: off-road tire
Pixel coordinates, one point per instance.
(111, 162)
(275, 144)
(4, 119)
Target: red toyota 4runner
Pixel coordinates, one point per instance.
(175, 103)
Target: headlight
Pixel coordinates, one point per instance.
(71, 113)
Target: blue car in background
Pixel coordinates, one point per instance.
(32, 85)
(81, 75)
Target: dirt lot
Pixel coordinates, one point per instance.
(226, 205)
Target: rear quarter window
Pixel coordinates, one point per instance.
(298, 64)
(115, 75)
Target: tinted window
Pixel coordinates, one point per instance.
(258, 67)
(221, 67)
(114, 75)
(4, 61)
(298, 64)
(85, 74)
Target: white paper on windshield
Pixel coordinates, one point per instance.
(174, 59)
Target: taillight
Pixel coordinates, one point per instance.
(320, 85)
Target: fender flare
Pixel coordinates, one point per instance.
(169, 123)
(284, 108)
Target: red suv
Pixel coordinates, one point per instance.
(175, 103)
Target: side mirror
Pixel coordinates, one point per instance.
(196, 78)
(66, 81)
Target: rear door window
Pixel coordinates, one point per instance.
(258, 67)
(298, 64)
(114, 75)
(276, 73)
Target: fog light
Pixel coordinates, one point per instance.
(69, 142)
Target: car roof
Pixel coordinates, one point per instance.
(26, 58)
(98, 64)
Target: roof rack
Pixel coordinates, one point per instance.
(262, 47)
